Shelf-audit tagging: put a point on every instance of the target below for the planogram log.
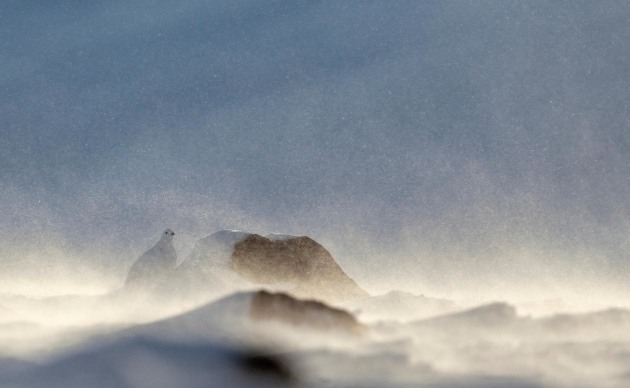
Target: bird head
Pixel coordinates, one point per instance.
(168, 233)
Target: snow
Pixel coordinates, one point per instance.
(215, 250)
(142, 363)
(409, 340)
(279, 236)
(402, 305)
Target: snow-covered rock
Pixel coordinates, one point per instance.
(266, 306)
(493, 314)
(399, 305)
(297, 263)
(248, 315)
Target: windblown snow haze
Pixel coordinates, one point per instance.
(467, 163)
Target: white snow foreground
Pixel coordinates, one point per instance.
(224, 343)
(218, 329)
(235, 341)
(150, 363)
(490, 345)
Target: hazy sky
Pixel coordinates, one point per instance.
(428, 129)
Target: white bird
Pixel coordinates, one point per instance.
(155, 262)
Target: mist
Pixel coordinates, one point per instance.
(466, 163)
(451, 147)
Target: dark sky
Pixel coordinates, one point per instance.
(463, 129)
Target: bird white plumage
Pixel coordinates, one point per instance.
(154, 262)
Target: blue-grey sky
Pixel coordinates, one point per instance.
(433, 130)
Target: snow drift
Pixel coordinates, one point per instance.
(232, 332)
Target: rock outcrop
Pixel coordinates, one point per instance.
(307, 313)
(299, 263)
(298, 260)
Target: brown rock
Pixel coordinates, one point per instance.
(298, 260)
(309, 313)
